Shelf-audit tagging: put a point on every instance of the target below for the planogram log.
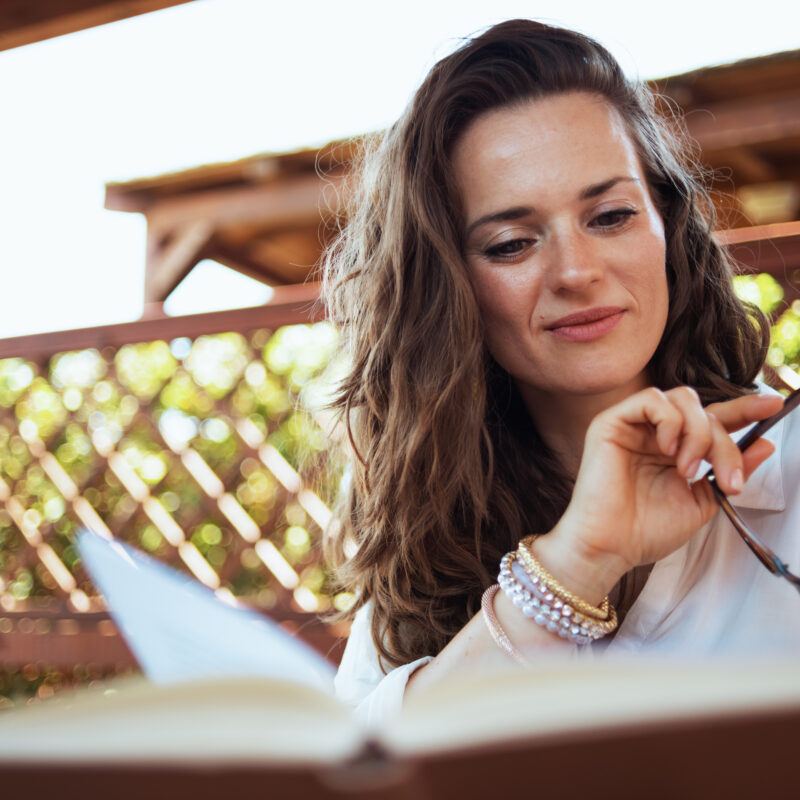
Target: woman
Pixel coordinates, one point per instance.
(545, 340)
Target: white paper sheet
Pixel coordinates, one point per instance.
(179, 630)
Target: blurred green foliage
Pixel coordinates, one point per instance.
(766, 293)
(761, 290)
(149, 403)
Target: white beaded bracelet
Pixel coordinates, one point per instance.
(595, 628)
(539, 604)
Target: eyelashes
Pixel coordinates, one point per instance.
(512, 249)
(508, 249)
(613, 219)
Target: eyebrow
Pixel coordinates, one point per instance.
(596, 189)
(518, 212)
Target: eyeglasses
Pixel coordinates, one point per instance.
(766, 556)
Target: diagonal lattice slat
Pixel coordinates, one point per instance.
(209, 453)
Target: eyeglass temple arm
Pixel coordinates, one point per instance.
(763, 553)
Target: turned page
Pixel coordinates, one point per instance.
(179, 630)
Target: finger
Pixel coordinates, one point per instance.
(725, 458)
(697, 431)
(735, 414)
(756, 455)
(630, 423)
(752, 459)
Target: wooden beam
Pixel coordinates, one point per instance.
(747, 165)
(277, 257)
(778, 230)
(305, 200)
(765, 248)
(301, 246)
(26, 21)
(289, 305)
(65, 640)
(237, 259)
(286, 267)
(743, 123)
(167, 266)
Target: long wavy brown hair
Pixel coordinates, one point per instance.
(448, 470)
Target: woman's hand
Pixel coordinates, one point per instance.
(632, 503)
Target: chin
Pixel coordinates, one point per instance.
(599, 382)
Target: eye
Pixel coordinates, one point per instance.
(613, 219)
(508, 249)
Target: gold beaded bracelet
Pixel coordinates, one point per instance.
(534, 598)
(601, 613)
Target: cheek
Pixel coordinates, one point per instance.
(507, 306)
(649, 264)
(499, 315)
(660, 277)
(506, 297)
(656, 288)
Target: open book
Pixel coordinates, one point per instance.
(234, 703)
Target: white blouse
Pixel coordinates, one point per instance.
(710, 596)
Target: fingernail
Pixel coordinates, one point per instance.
(737, 480)
(691, 470)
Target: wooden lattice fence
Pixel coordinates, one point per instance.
(210, 452)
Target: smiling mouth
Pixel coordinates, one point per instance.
(585, 326)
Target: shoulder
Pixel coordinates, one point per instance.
(376, 694)
(360, 670)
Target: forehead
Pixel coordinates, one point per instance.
(550, 145)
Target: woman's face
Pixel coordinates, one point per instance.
(564, 246)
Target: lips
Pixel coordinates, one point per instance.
(584, 317)
(584, 326)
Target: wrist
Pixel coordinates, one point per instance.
(586, 572)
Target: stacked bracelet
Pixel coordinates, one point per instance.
(534, 569)
(496, 629)
(537, 600)
(540, 597)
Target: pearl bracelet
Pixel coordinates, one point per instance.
(549, 595)
(534, 598)
(535, 606)
(535, 570)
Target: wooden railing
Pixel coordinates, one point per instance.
(178, 436)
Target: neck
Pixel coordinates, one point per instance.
(562, 419)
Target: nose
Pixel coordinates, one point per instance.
(574, 262)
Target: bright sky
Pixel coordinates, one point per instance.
(216, 80)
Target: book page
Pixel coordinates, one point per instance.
(574, 698)
(247, 721)
(179, 630)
